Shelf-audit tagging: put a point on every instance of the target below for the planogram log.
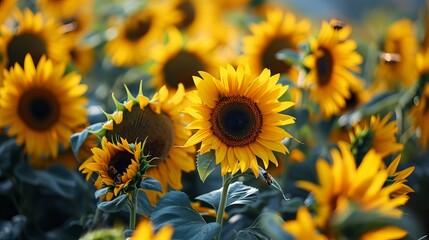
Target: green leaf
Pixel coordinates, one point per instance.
(266, 226)
(127, 233)
(77, 139)
(289, 55)
(250, 234)
(57, 180)
(7, 150)
(116, 205)
(238, 193)
(354, 222)
(13, 229)
(175, 209)
(206, 163)
(143, 204)
(150, 183)
(101, 192)
(292, 205)
(263, 174)
(381, 102)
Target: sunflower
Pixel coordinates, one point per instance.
(363, 184)
(34, 35)
(377, 134)
(358, 96)
(346, 208)
(6, 7)
(42, 105)
(226, 5)
(195, 16)
(238, 117)
(303, 227)
(422, 59)
(76, 26)
(343, 30)
(398, 64)
(385, 233)
(62, 8)
(145, 231)
(259, 9)
(279, 31)
(136, 36)
(158, 121)
(82, 57)
(177, 61)
(399, 177)
(331, 64)
(118, 165)
(420, 116)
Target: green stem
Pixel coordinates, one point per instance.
(96, 219)
(133, 209)
(221, 210)
(400, 121)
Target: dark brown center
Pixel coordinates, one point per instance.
(236, 121)
(39, 109)
(352, 101)
(269, 59)
(136, 28)
(139, 125)
(180, 69)
(188, 14)
(22, 44)
(324, 67)
(118, 165)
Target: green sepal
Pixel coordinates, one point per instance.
(129, 95)
(119, 106)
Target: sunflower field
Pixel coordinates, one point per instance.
(214, 119)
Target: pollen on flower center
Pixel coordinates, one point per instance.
(324, 67)
(25, 43)
(269, 59)
(140, 124)
(137, 29)
(236, 121)
(118, 165)
(39, 109)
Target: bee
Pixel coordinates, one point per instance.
(337, 24)
(268, 178)
(117, 177)
(390, 58)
